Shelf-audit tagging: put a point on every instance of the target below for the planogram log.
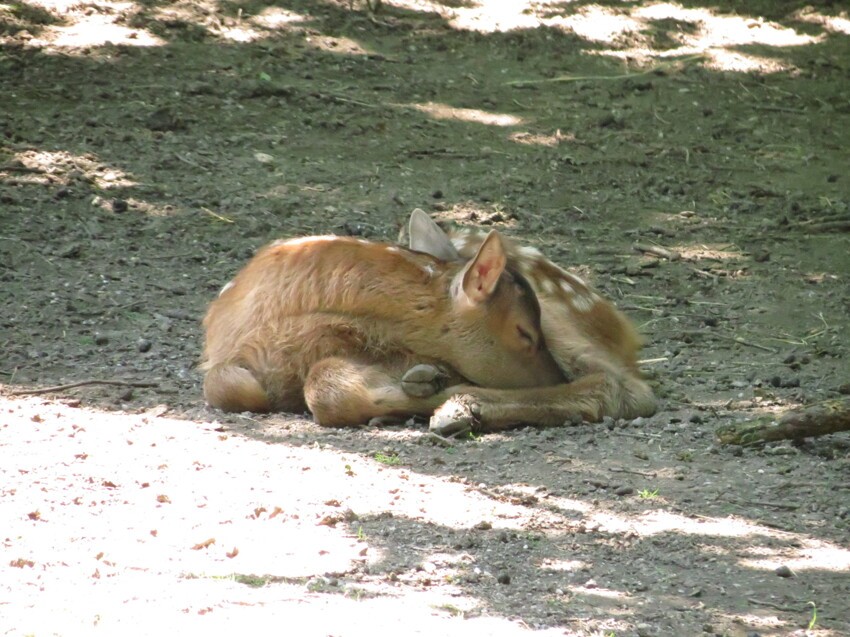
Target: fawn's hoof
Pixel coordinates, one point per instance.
(423, 381)
(457, 416)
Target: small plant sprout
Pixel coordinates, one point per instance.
(646, 494)
(814, 620)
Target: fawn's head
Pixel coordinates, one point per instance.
(494, 328)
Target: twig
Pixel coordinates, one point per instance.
(58, 388)
(446, 442)
(759, 602)
(645, 474)
(658, 251)
(216, 215)
(624, 76)
(734, 339)
(773, 505)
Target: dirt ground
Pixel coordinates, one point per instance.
(148, 148)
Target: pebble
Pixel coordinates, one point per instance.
(143, 345)
(624, 490)
(100, 339)
(784, 571)
(503, 578)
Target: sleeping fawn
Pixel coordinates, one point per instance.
(593, 343)
(354, 330)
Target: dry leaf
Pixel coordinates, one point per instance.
(20, 563)
(204, 544)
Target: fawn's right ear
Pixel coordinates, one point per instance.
(426, 236)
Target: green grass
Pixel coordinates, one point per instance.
(388, 459)
(646, 494)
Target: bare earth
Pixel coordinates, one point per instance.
(148, 148)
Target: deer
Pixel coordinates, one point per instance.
(357, 331)
(594, 344)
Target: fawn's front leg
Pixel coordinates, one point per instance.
(589, 398)
(341, 392)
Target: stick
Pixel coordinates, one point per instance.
(624, 76)
(57, 388)
(658, 251)
(829, 417)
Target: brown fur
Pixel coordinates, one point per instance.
(332, 324)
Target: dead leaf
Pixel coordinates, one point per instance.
(233, 553)
(20, 563)
(163, 499)
(204, 544)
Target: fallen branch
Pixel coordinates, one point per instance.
(826, 418)
(58, 388)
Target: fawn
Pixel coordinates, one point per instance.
(355, 330)
(593, 343)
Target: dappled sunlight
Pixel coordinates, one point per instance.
(52, 167)
(815, 555)
(835, 24)
(527, 138)
(90, 24)
(632, 30)
(472, 115)
(111, 510)
(701, 252)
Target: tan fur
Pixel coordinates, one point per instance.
(594, 344)
(332, 324)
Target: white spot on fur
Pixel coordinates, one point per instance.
(547, 285)
(583, 302)
(566, 287)
(393, 249)
(226, 287)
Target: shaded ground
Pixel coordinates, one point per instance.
(140, 170)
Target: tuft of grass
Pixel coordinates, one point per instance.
(254, 581)
(646, 494)
(390, 459)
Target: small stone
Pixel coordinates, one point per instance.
(624, 490)
(119, 205)
(437, 194)
(503, 578)
(126, 395)
(143, 345)
(100, 339)
(784, 571)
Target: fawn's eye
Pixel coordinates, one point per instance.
(525, 335)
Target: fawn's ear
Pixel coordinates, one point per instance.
(426, 236)
(481, 274)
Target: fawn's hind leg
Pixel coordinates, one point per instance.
(343, 392)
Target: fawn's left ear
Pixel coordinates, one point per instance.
(481, 275)
(426, 236)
